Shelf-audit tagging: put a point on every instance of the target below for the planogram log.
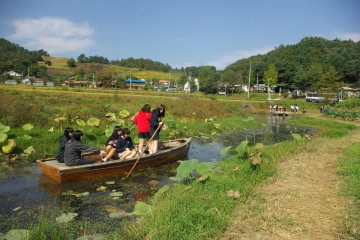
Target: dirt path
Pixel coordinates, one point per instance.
(302, 200)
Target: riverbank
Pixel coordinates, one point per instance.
(303, 200)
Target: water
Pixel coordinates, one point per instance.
(23, 185)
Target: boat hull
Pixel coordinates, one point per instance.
(170, 151)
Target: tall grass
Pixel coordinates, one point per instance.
(349, 168)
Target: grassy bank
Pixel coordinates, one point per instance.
(349, 168)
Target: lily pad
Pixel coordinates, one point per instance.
(242, 147)
(184, 120)
(142, 208)
(202, 178)
(3, 128)
(203, 168)
(116, 194)
(68, 192)
(224, 151)
(258, 147)
(186, 167)
(124, 113)
(162, 190)
(101, 189)
(66, 217)
(111, 115)
(15, 234)
(110, 182)
(255, 160)
(84, 193)
(29, 150)
(296, 136)
(27, 137)
(80, 122)
(60, 119)
(93, 122)
(15, 209)
(8, 146)
(3, 137)
(27, 127)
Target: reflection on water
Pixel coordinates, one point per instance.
(23, 185)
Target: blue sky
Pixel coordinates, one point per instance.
(180, 33)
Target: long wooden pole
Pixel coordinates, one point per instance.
(157, 129)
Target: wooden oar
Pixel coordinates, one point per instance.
(157, 129)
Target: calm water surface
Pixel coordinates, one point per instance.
(23, 185)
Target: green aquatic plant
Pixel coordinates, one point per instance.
(61, 120)
(93, 122)
(8, 146)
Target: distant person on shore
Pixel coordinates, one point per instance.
(142, 120)
(110, 145)
(74, 149)
(303, 111)
(156, 121)
(124, 146)
(63, 139)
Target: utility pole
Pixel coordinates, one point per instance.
(130, 82)
(257, 82)
(249, 82)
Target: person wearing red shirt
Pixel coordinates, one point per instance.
(142, 120)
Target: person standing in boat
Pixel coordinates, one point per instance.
(68, 132)
(74, 148)
(142, 120)
(110, 145)
(156, 116)
(125, 146)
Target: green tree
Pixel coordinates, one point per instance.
(205, 80)
(270, 75)
(314, 76)
(183, 80)
(301, 80)
(329, 81)
(81, 58)
(71, 62)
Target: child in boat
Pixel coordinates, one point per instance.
(110, 144)
(124, 145)
(142, 120)
(68, 132)
(156, 114)
(74, 149)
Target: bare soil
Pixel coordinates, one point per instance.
(302, 201)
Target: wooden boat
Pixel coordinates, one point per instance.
(168, 151)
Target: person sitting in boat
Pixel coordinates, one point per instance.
(142, 120)
(74, 149)
(124, 146)
(110, 145)
(154, 127)
(68, 132)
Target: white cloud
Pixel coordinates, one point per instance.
(346, 36)
(54, 35)
(224, 61)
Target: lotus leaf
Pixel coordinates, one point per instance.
(136, 140)
(29, 150)
(3, 137)
(217, 125)
(161, 191)
(203, 168)
(27, 127)
(258, 147)
(250, 118)
(110, 182)
(263, 125)
(27, 137)
(51, 129)
(60, 119)
(3, 128)
(124, 113)
(184, 120)
(186, 167)
(102, 188)
(15, 234)
(296, 136)
(68, 192)
(118, 214)
(110, 115)
(213, 133)
(202, 178)
(255, 160)
(8, 146)
(119, 121)
(85, 193)
(116, 194)
(66, 217)
(93, 122)
(224, 151)
(142, 208)
(80, 123)
(242, 147)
